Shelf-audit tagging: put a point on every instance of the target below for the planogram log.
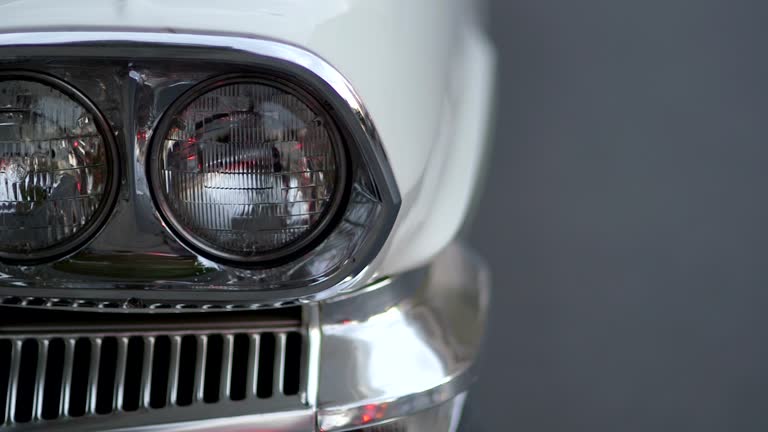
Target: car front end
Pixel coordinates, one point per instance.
(242, 216)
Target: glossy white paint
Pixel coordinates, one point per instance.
(423, 69)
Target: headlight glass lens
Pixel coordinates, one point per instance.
(54, 169)
(248, 170)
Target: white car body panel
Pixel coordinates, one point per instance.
(423, 69)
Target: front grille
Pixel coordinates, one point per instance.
(107, 367)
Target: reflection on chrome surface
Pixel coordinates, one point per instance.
(133, 95)
(405, 348)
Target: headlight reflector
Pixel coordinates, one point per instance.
(56, 167)
(247, 170)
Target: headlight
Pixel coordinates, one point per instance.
(57, 163)
(248, 170)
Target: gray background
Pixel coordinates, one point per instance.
(625, 218)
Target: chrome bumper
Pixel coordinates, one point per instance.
(404, 348)
(400, 352)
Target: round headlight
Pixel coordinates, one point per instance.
(247, 170)
(57, 163)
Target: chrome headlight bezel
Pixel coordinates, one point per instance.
(97, 221)
(136, 260)
(278, 256)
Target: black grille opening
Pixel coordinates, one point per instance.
(81, 368)
(134, 361)
(6, 350)
(213, 369)
(292, 377)
(187, 363)
(107, 370)
(25, 395)
(35, 302)
(266, 366)
(110, 370)
(160, 366)
(238, 384)
(54, 374)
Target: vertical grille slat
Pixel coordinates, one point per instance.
(173, 370)
(6, 359)
(120, 374)
(202, 355)
(27, 381)
(253, 362)
(93, 376)
(226, 367)
(42, 358)
(277, 380)
(54, 377)
(13, 385)
(146, 371)
(43, 379)
(66, 380)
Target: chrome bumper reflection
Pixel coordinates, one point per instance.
(402, 349)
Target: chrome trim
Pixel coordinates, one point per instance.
(204, 420)
(173, 370)
(278, 404)
(405, 348)
(98, 220)
(192, 240)
(252, 377)
(93, 377)
(13, 384)
(146, 371)
(120, 373)
(312, 351)
(221, 285)
(42, 358)
(226, 366)
(66, 379)
(202, 356)
(389, 352)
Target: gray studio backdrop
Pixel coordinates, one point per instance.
(625, 218)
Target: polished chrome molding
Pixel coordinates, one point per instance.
(392, 352)
(204, 420)
(135, 235)
(405, 346)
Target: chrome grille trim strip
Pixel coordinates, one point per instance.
(146, 371)
(93, 376)
(253, 360)
(66, 379)
(122, 358)
(226, 366)
(173, 370)
(13, 385)
(42, 357)
(279, 374)
(202, 355)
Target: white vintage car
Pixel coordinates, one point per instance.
(240, 216)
